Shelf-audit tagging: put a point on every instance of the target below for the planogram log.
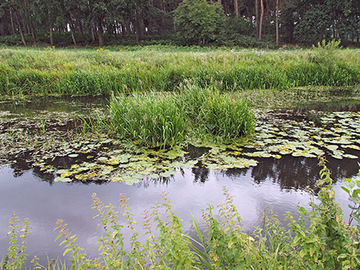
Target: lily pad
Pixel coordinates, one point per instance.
(62, 179)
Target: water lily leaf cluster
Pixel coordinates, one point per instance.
(54, 146)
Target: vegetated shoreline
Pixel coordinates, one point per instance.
(227, 245)
(104, 71)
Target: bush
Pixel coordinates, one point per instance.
(199, 22)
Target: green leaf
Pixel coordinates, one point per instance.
(346, 190)
(302, 210)
(66, 251)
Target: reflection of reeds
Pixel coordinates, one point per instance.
(161, 120)
(88, 72)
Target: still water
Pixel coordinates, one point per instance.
(278, 184)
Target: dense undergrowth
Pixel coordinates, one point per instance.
(102, 71)
(318, 239)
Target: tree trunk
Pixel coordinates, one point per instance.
(2, 28)
(12, 22)
(139, 22)
(100, 35)
(277, 22)
(72, 29)
(257, 18)
(92, 33)
(128, 28)
(236, 7)
(81, 28)
(17, 18)
(50, 29)
(261, 18)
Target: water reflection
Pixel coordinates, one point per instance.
(32, 105)
(201, 174)
(273, 183)
(295, 173)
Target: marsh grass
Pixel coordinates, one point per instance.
(221, 114)
(226, 117)
(151, 119)
(96, 72)
(163, 119)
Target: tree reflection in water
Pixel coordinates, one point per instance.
(295, 173)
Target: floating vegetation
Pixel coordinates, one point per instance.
(54, 145)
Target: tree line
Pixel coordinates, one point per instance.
(181, 21)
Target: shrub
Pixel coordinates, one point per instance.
(199, 22)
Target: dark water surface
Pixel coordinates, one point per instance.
(278, 184)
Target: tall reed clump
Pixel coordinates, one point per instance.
(216, 112)
(227, 118)
(164, 120)
(151, 119)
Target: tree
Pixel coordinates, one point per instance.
(199, 22)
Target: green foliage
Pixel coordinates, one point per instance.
(226, 117)
(323, 53)
(165, 68)
(164, 120)
(328, 242)
(199, 22)
(78, 258)
(149, 118)
(352, 188)
(16, 256)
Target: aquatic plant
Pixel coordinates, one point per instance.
(164, 119)
(226, 117)
(151, 119)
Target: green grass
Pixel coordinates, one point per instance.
(151, 119)
(165, 68)
(164, 119)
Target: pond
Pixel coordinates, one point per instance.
(269, 173)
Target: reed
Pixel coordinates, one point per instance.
(94, 71)
(149, 119)
(163, 119)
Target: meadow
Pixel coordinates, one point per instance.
(99, 71)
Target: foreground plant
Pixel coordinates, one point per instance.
(16, 256)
